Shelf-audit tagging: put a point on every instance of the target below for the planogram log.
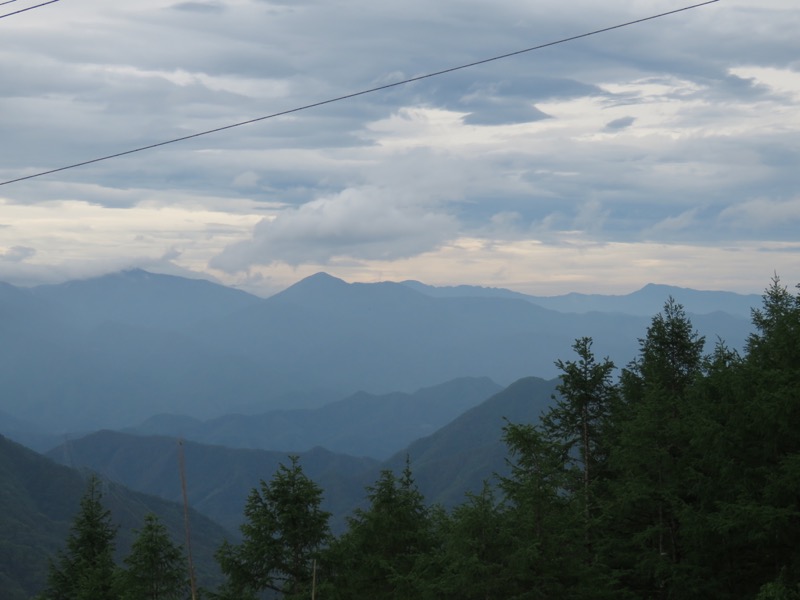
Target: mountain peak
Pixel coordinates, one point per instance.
(135, 273)
(316, 284)
(322, 277)
(659, 287)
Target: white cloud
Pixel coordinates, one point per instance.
(361, 223)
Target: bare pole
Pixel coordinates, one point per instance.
(314, 580)
(182, 466)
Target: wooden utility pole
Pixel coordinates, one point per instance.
(182, 466)
(314, 580)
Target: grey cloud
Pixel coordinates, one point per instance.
(621, 123)
(539, 88)
(17, 254)
(674, 226)
(493, 96)
(25, 274)
(503, 112)
(776, 215)
(199, 7)
(74, 103)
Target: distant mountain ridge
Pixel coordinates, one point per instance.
(359, 425)
(646, 301)
(121, 348)
(140, 298)
(450, 462)
(460, 456)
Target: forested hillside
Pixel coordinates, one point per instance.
(39, 502)
(217, 478)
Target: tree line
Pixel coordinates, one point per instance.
(676, 476)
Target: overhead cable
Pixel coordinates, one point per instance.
(355, 94)
(22, 10)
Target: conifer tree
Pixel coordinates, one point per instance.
(470, 561)
(762, 514)
(545, 555)
(282, 535)
(579, 423)
(85, 569)
(379, 554)
(746, 462)
(155, 568)
(649, 457)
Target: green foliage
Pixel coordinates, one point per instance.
(778, 590)
(379, 556)
(471, 560)
(85, 569)
(649, 457)
(283, 533)
(155, 567)
(579, 423)
(760, 516)
(547, 555)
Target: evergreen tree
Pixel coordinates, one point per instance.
(772, 373)
(545, 555)
(380, 554)
(649, 457)
(759, 515)
(155, 567)
(470, 558)
(283, 533)
(711, 478)
(85, 569)
(579, 423)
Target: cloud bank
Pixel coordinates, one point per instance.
(675, 139)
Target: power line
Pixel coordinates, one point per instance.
(355, 94)
(22, 10)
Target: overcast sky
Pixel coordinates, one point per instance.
(665, 152)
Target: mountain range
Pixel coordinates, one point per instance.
(644, 302)
(361, 425)
(454, 460)
(113, 351)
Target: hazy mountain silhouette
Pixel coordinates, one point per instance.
(137, 297)
(218, 478)
(644, 302)
(452, 461)
(115, 350)
(360, 425)
(460, 456)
